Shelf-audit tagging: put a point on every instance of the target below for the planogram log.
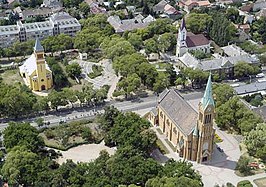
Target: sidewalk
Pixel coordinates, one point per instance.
(221, 169)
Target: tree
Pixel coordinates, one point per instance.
(166, 42)
(198, 23)
(196, 76)
(84, 8)
(243, 69)
(242, 166)
(130, 84)
(40, 122)
(70, 95)
(87, 41)
(161, 82)
(151, 46)
(232, 14)
(255, 141)
(234, 115)
(22, 167)
(22, 134)
(180, 168)
(148, 74)
(129, 64)
(57, 99)
(73, 70)
(172, 182)
(17, 103)
(134, 168)
(59, 78)
(222, 93)
(135, 40)
(117, 47)
(221, 30)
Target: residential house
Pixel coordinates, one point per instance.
(222, 65)
(164, 9)
(261, 13)
(137, 22)
(187, 5)
(52, 3)
(259, 4)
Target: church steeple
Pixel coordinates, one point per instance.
(38, 47)
(183, 24)
(207, 98)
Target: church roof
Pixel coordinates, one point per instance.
(207, 98)
(30, 65)
(179, 111)
(38, 46)
(196, 40)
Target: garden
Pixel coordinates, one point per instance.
(71, 134)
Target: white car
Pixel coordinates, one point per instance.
(260, 75)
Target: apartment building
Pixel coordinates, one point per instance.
(58, 23)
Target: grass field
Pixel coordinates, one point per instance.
(11, 77)
(162, 147)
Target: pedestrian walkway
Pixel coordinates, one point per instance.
(220, 169)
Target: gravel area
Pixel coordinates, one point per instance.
(84, 153)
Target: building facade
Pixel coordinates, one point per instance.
(35, 71)
(58, 23)
(190, 132)
(187, 41)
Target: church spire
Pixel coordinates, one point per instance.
(207, 98)
(38, 47)
(183, 24)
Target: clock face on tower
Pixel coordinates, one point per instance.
(209, 109)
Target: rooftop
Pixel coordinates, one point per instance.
(179, 110)
(194, 40)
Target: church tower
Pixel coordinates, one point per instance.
(204, 126)
(181, 46)
(41, 72)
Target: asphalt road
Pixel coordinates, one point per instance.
(90, 113)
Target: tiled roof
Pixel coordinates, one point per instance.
(29, 65)
(196, 40)
(179, 111)
(261, 111)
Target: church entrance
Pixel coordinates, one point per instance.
(43, 87)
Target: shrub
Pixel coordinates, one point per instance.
(244, 183)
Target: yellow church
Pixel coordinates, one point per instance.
(191, 132)
(35, 71)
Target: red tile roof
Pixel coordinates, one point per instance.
(196, 40)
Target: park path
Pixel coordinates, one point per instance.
(221, 169)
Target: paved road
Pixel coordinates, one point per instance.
(90, 113)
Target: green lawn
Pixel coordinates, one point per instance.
(162, 147)
(96, 71)
(170, 144)
(11, 77)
